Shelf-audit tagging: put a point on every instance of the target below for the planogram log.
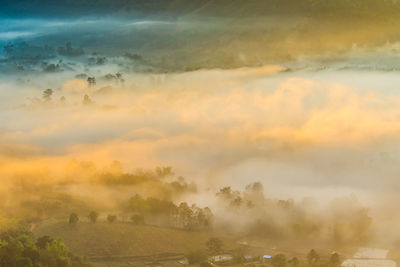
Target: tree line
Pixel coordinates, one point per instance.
(189, 217)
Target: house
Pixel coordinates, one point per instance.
(266, 258)
(369, 257)
(183, 261)
(221, 258)
(248, 257)
(371, 253)
(368, 263)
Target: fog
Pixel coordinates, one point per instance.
(302, 134)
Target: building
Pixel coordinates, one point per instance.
(221, 258)
(369, 257)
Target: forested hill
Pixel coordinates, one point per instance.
(220, 8)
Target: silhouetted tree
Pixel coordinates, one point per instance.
(312, 257)
(93, 215)
(111, 218)
(91, 81)
(43, 241)
(278, 260)
(86, 100)
(185, 215)
(335, 259)
(137, 219)
(73, 218)
(294, 262)
(69, 51)
(62, 101)
(47, 95)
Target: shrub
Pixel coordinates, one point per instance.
(137, 219)
(111, 218)
(93, 215)
(73, 218)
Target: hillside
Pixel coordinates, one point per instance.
(124, 239)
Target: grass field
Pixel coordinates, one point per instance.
(125, 239)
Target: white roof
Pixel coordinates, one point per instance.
(219, 258)
(371, 253)
(368, 263)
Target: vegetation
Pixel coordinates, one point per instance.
(154, 216)
(111, 218)
(19, 248)
(73, 218)
(278, 260)
(182, 216)
(122, 238)
(294, 262)
(214, 245)
(137, 219)
(335, 259)
(93, 215)
(283, 219)
(47, 95)
(312, 257)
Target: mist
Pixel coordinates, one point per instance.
(300, 134)
(274, 127)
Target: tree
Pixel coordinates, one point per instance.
(43, 241)
(294, 262)
(91, 81)
(137, 219)
(87, 100)
(279, 260)
(312, 257)
(119, 77)
(138, 205)
(214, 245)
(93, 215)
(209, 217)
(69, 51)
(19, 248)
(163, 172)
(47, 95)
(335, 259)
(185, 215)
(62, 101)
(111, 218)
(73, 218)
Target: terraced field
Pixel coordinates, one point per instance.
(124, 240)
